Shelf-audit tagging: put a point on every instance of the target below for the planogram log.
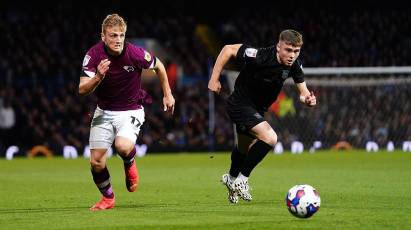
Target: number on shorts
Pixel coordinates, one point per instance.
(135, 121)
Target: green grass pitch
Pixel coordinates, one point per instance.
(182, 191)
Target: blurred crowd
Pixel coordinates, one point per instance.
(332, 38)
(357, 115)
(43, 47)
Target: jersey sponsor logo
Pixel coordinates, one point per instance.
(258, 116)
(147, 56)
(251, 52)
(284, 75)
(128, 68)
(86, 60)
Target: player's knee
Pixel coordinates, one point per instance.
(124, 149)
(97, 165)
(270, 138)
(123, 145)
(273, 140)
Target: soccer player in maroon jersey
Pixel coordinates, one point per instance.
(113, 68)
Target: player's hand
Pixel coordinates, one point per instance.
(169, 102)
(102, 68)
(310, 100)
(214, 86)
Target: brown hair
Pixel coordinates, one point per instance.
(113, 20)
(291, 37)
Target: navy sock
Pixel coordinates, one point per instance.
(255, 155)
(237, 160)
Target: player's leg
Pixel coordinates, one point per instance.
(238, 156)
(266, 138)
(239, 153)
(101, 178)
(127, 151)
(242, 115)
(101, 139)
(128, 124)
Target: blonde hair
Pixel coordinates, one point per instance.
(291, 37)
(113, 20)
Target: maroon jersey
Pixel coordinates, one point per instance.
(120, 89)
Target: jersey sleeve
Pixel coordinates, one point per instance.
(297, 72)
(250, 55)
(89, 66)
(143, 58)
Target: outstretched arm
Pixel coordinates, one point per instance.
(306, 96)
(226, 53)
(168, 99)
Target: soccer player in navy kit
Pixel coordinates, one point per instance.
(256, 88)
(113, 68)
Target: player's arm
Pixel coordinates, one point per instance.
(89, 84)
(306, 96)
(168, 99)
(228, 51)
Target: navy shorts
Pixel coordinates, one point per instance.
(243, 115)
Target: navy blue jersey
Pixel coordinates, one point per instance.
(262, 76)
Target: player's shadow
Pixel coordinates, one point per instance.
(129, 206)
(77, 208)
(42, 210)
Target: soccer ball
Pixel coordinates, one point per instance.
(303, 201)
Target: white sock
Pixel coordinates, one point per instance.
(242, 177)
(231, 177)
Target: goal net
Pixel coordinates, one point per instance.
(366, 108)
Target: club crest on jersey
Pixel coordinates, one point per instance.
(128, 68)
(147, 56)
(251, 52)
(86, 60)
(285, 74)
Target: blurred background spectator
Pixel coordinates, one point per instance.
(43, 47)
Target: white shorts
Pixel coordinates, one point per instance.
(106, 125)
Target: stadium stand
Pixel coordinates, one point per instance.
(42, 50)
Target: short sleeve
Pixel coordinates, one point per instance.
(143, 58)
(250, 55)
(89, 66)
(297, 72)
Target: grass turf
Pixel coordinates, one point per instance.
(182, 191)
